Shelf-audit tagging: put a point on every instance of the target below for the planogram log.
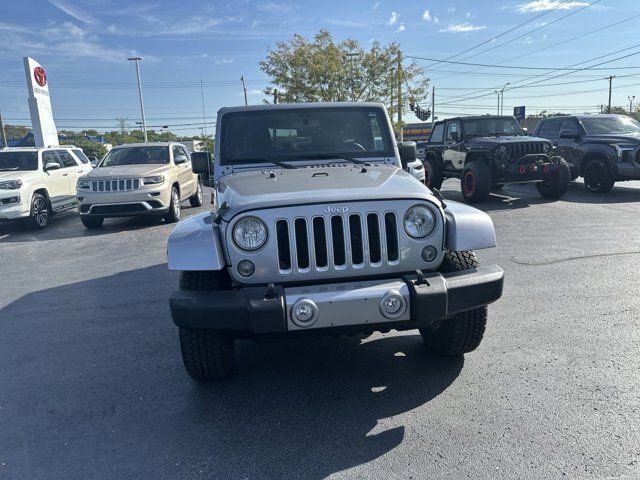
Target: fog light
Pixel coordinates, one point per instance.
(246, 268)
(429, 253)
(393, 304)
(304, 312)
(10, 200)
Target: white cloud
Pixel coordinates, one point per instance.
(274, 7)
(426, 15)
(74, 12)
(393, 19)
(451, 9)
(401, 28)
(436, 19)
(468, 15)
(254, 24)
(223, 60)
(462, 28)
(75, 31)
(344, 23)
(542, 5)
(252, 92)
(112, 29)
(375, 5)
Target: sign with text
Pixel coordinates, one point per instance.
(44, 128)
(519, 112)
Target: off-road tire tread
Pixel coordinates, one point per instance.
(483, 181)
(464, 332)
(560, 183)
(436, 169)
(605, 188)
(207, 354)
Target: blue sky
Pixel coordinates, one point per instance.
(83, 44)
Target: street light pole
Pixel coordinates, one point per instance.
(502, 95)
(144, 122)
(498, 93)
(631, 99)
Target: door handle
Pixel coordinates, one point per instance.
(65, 174)
(80, 171)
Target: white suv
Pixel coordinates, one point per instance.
(36, 183)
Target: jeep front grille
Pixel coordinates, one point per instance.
(517, 150)
(339, 242)
(116, 185)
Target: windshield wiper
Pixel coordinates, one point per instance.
(322, 156)
(267, 160)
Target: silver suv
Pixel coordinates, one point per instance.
(139, 179)
(317, 229)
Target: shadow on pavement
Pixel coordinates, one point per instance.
(93, 387)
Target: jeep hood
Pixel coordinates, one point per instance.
(126, 171)
(281, 187)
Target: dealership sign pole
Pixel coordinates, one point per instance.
(44, 128)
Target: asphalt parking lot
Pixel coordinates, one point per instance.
(92, 384)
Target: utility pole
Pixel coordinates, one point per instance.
(501, 94)
(498, 93)
(4, 134)
(275, 96)
(433, 106)
(244, 88)
(204, 118)
(610, 78)
(122, 123)
(144, 122)
(631, 99)
(400, 95)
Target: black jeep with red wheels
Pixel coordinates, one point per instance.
(486, 152)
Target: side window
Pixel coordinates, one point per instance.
(184, 152)
(437, 136)
(453, 131)
(80, 154)
(50, 157)
(570, 125)
(550, 128)
(66, 160)
(176, 152)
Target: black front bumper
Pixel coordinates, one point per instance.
(252, 311)
(534, 167)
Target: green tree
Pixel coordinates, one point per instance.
(325, 71)
(91, 149)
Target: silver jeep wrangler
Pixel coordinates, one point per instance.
(317, 229)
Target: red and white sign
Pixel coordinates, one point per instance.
(44, 128)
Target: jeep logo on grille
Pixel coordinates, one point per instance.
(329, 210)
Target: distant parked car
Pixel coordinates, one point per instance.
(485, 152)
(139, 179)
(36, 183)
(603, 149)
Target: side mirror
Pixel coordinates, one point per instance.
(201, 163)
(567, 134)
(51, 166)
(408, 153)
(525, 130)
(93, 161)
(180, 159)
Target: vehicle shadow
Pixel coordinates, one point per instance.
(516, 196)
(67, 225)
(93, 387)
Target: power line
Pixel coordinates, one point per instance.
(514, 67)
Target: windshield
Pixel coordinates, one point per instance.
(18, 161)
(604, 125)
(490, 126)
(136, 156)
(303, 133)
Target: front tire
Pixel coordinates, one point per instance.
(432, 172)
(558, 184)
(476, 181)
(39, 212)
(207, 355)
(597, 178)
(175, 210)
(92, 222)
(464, 332)
(196, 199)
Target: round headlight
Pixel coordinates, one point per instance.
(546, 148)
(419, 221)
(502, 152)
(250, 233)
